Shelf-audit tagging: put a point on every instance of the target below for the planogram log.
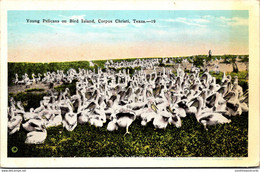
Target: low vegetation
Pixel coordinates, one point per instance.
(191, 140)
(34, 90)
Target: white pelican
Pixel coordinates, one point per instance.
(70, 119)
(55, 118)
(124, 120)
(112, 126)
(175, 120)
(208, 117)
(33, 124)
(30, 115)
(14, 124)
(37, 137)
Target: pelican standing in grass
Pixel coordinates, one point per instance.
(33, 124)
(175, 120)
(55, 118)
(124, 120)
(112, 126)
(30, 115)
(160, 121)
(96, 119)
(207, 117)
(179, 109)
(70, 119)
(36, 137)
(162, 117)
(149, 114)
(14, 124)
(19, 109)
(232, 103)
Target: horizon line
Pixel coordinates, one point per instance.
(129, 58)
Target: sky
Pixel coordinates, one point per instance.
(174, 33)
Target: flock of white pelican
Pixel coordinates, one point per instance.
(112, 100)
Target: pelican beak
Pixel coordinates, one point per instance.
(169, 109)
(245, 94)
(71, 106)
(154, 107)
(225, 96)
(228, 95)
(194, 102)
(43, 126)
(172, 90)
(203, 94)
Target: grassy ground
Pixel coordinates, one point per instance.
(191, 140)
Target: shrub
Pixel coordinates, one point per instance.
(34, 89)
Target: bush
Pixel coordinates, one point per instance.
(29, 100)
(34, 89)
(198, 61)
(244, 58)
(70, 86)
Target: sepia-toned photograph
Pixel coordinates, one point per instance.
(128, 84)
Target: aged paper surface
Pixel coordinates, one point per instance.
(25, 53)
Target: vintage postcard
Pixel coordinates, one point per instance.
(130, 84)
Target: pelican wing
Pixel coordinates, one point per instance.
(206, 118)
(232, 106)
(129, 115)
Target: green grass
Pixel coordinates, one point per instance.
(242, 81)
(191, 140)
(71, 86)
(241, 75)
